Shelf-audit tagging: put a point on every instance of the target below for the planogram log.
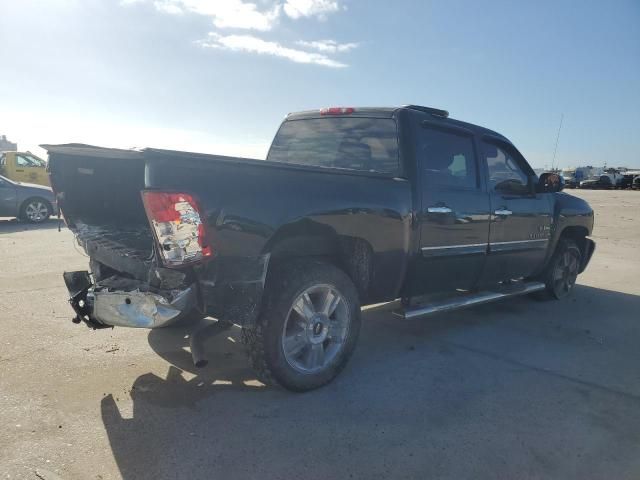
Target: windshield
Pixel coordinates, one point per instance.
(29, 160)
(365, 144)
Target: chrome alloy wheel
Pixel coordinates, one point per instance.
(36, 211)
(315, 329)
(565, 273)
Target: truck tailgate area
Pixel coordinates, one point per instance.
(127, 249)
(98, 191)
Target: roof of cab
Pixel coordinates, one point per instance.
(435, 114)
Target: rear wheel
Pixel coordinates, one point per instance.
(36, 210)
(560, 275)
(308, 328)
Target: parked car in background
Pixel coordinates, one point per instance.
(24, 167)
(627, 180)
(26, 201)
(573, 176)
(615, 176)
(603, 182)
(636, 183)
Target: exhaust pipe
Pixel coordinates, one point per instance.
(205, 330)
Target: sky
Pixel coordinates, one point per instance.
(218, 76)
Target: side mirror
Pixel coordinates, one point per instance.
(550, 182)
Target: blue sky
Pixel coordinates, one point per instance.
(218, 76)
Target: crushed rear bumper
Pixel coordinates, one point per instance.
(101, 306)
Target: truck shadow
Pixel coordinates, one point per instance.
(200, 423)
(13, 225)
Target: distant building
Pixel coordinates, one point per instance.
(7, 145)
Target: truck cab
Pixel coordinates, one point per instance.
(24, 167)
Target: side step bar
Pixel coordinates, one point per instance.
(468, 300)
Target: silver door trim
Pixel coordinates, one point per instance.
(520, 241)
(518, 245)
(439, 210)
(455, 250)
(455, 246)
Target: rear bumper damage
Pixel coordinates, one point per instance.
(100, 305)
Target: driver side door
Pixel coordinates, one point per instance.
(8, 199)
(521, 219)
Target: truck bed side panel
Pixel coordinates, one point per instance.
(254, 207)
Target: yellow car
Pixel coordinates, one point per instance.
(24, 167)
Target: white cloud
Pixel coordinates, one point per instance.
(310, 8)
(167, 6)
(261, 16)
(252, 44)
(244, 14)
(223, 13)
(327, 46)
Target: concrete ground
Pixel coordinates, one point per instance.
(520, 389)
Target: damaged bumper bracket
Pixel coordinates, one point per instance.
(78, 285)
(101, 307)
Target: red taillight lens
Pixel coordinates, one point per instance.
(178, 227)
(337, 111)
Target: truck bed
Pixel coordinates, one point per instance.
(252, 208)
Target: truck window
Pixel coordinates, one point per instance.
(448, 158)
(23, 160)
(504, 168)
(365, 144)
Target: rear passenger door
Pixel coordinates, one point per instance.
(454, 211)
(521, 219)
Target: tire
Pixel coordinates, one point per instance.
(35, 210)
(308, 327)
(560, 274)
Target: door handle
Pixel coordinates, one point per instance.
(503, 212)
(439, 210)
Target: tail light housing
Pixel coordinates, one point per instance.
(177, 224)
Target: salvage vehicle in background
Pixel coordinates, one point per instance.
(29, 202)
(24, 167)
(628, 179)
(353, 206)
(603, 182)
(573, 176)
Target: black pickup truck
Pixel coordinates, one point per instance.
(351, 207)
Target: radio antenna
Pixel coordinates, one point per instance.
(555, 150)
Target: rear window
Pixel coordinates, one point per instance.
(365, 144)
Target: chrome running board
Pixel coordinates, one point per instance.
(469, 300)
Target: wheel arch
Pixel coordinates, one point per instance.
(353, 255)
(577, 233)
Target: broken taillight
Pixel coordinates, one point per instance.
(178, 227)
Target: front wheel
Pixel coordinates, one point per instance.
(36, 210)
(560, 275)
(308, 328)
